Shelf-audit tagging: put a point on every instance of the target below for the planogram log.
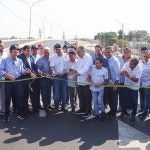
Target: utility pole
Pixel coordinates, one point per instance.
(40, 33)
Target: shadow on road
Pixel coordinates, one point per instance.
(61, 127)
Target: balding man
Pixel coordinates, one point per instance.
(132, 72)
(83, 65)
(44, 69)
(126, 56)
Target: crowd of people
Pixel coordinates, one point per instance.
(50, 80)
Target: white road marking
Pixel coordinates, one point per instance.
(131, 138)
(42, 113)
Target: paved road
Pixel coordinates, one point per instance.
(70, 132)
(51, 43)
(58, 132)
(8, 43)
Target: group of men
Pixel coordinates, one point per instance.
(36, 73)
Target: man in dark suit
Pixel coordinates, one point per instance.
(28, 64)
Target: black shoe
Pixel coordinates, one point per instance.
(96, 117)
(51, 107)
(55, 110)
(6, 119)
(64, 110)
(103, 116)
(132, 118)
(20, 117)
(109, 113)
(141, 110)
(79, 112)
(123, 114)
(144, 116)
(86, 115)
(73, 111)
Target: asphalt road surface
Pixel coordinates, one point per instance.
(66, 131)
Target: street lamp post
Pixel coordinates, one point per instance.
(43, 22)
(30, 7)
(122, 26)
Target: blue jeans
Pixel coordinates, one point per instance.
(98, 101)
(146, 100)
(45, 84)
(60, 90)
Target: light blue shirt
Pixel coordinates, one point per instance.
(12, 66)
(3, 56)
(122, 62)
(43, 65)
(114, 67)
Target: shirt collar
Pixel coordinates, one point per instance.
(13, 59)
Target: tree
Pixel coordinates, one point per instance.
(147, 39)
(106, 38)
(121, 42)
(120, 34)
(137, 35)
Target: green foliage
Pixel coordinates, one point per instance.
(121, 42)
(107, 38)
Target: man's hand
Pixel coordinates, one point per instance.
(75, 75)
(98, 85)
(33, 75)
(9, 76)
(126, 74)
(27, 71)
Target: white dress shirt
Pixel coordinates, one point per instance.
(83, 66)
(136, 72)
(58, 62)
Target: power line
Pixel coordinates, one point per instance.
(12, 12)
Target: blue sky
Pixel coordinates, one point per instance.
(84, 17)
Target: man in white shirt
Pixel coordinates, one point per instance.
(57, 65)
(83, 65)
(132, 72)
(3, 55)
(126, 56)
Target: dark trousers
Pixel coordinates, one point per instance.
(146, 100)
(60, 90)
(14, 89)
(105, 98)
(26, 90)
(72, 96)
(35, 94)
(131, 97)
(45, 85)
(121, 95)
(141, 91)
(113, 100)
(85, 98)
